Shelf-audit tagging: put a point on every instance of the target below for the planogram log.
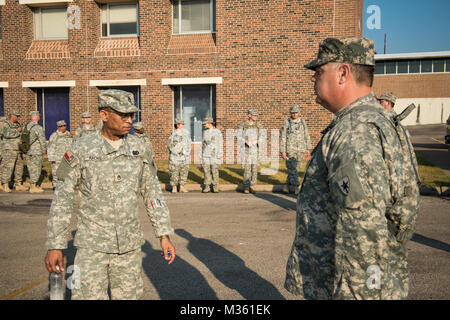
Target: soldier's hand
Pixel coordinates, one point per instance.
(19, 129)
(54, 261)
(167, 246)
(284, 155)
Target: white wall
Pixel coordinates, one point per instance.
(432, 110)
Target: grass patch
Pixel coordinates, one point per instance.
(431, 174)
(233, 173)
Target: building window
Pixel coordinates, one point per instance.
(379, 67)
(50, 23)
(447, 65)
(426, 66)
(402, 66)
(414, 66)
(193, 16)
(438, 65)
(391, 67)
(192, 104)
(119, 19)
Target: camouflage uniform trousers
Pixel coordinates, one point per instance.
(211, 174)
(250, 165)
(12, 161)
(34, 165)
(294, 164)
(98, 270)
(178, 173)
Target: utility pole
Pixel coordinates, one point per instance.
(385, 43)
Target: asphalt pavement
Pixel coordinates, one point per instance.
(229, 246)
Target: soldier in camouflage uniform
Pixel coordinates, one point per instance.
(295, 141)
(359, 199)
(387, 100)
(249, 139)
(37, 151)
(12, 157)
(58, 143)
(212, 154)
(2, 119)
(86, 126)
(111, 169)
(140, 133)
(179, 145)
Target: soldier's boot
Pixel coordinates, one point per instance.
(174, 189)
(6, 188)
(18, 186)
(206, 189)
(285, 189)
(216, 189)
(183, 189)
(246, 190)
(36, 189)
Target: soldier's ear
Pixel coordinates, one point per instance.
(104, 115)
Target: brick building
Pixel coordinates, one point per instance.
(179, 58)
(422, 78)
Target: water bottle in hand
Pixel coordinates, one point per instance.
(56, 286)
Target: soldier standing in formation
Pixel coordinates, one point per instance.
(86, 126)
(12, 157)
(179, 145)
(295, 141)
(387, 100)
(37, 151)
(59, 142)
(249, 140)
(111, 169)
(140, 133)
(359, 199)
(2, 119)
(212, 153)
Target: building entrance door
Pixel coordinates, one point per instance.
(53, 104)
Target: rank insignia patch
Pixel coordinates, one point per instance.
(344, 185)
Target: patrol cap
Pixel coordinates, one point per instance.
(208, 120)
(138, 125)
(345, 50)
(179, 121)
(119, 100)
(34, 113)
(252, 111)
(14, 112)
(86, 114)
(60, 123)
(389, 96)
(295, 108)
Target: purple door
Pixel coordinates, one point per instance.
(53, 104)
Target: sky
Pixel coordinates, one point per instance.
(409, 25)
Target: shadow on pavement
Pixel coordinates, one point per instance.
(230, 269)
(433, 243)
(177, 281)
(288, 204)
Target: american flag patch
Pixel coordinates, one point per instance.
(156, 203)
(69, 157)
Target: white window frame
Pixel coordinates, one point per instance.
(211, 19)
(39, 16)
(108, 35)
(180, 86)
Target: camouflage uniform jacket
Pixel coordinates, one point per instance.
(110, 183)
(212, 146)
(11, 136)
(58, 144)
(179, 145)
(357, 206)
(38, 143)
(83, 130)
(294, 137)
(251, 132)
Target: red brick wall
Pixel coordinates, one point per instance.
(260, 49)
